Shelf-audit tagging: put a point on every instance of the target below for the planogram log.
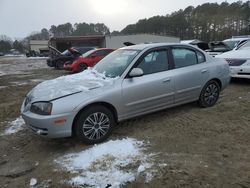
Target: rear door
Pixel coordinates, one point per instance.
(153, 90)
(191, 73)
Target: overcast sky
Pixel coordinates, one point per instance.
(18, 18)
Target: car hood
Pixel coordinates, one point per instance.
(235, 54)
(68, 85)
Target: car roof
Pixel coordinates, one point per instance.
(152, 45)
(236, 39)
(100, 49)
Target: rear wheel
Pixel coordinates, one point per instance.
(82, 67)
(209, 94)
(94, 125)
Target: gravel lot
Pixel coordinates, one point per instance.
(198, 147)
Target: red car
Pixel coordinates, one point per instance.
(89, 59)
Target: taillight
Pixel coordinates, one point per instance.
(236, 62)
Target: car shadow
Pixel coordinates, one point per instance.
(240, 81)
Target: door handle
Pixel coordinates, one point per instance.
(204, 71)
(166, 80)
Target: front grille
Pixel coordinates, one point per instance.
(236, 62)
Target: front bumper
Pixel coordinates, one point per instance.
(52, 126)
(240, 72)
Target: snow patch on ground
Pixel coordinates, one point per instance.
(2, 87)
(113, 163)
(19, 83)
(15, 126)
(20, 65)
(13, 55)
(37, 57)
(37, 80)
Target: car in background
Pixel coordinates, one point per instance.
(217, 47)
(236, 41)
(57, 59)
(238, 60)
(1, 54)
(197, 43)
(129, 82)
(89, 59)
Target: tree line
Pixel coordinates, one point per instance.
(207, 22)
(67, 29)
(6, 44)
(62, 30)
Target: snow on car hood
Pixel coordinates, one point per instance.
(70, 84)
(235, 54)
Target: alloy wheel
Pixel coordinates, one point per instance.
(211, 94)
(96, 126)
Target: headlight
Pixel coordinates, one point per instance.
(41, 108)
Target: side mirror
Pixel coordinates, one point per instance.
(136, 72)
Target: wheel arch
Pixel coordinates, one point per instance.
(218, 81)
(77, 67)
(105, 104)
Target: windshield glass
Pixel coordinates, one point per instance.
(245, 46)
(87, 53)
(231, 44)
(116, 63)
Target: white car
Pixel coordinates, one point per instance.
(236, 41)
(239, 61)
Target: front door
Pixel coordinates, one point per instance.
(153, 90)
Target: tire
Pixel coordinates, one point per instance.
(82, 67)
(88, 127)
(59, 65)
(209, 94)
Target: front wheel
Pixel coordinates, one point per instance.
(59, 65)
(94, 125)
(209, 94)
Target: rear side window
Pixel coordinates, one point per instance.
(184, 57)
(201, 58)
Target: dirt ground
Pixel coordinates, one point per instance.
(202, 147)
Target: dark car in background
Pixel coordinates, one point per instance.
(218, 47)
(57, 59)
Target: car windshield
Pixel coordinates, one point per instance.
(231, 44)
(245, 46)
(116, 62)
(88, 53)
(83, 50)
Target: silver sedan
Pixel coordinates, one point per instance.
(129, 82)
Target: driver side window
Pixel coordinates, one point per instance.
(155, 61)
